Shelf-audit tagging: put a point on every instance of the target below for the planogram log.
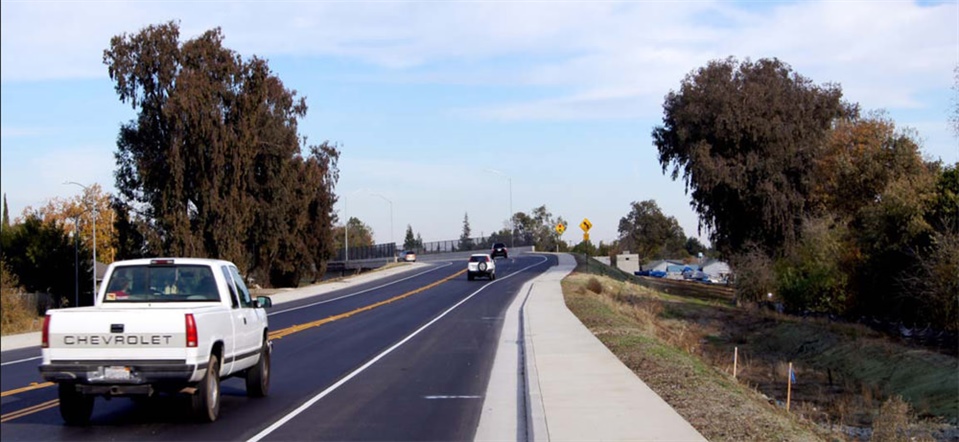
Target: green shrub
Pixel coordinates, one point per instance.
(812, 278)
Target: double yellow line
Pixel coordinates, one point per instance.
(29, 410)
(298, 328)
(273, 335)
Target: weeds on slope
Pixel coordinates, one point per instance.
(846, 374)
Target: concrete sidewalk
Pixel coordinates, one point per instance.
(574, 388)
(24, 340)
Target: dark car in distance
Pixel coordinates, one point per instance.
(499, 249)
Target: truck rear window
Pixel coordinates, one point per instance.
(162, 283)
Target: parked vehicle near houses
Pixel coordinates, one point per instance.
(171, 325)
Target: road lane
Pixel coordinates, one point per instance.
(430, 388)
(304, 364)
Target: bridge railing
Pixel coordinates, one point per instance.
(472, 244)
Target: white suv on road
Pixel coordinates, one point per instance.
(481, 264)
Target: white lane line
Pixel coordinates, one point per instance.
(452, 397)
(338, 384)
(360, 292)
(21, 360)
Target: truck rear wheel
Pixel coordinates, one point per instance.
(258, 376)
(206, 400)
(75, 407)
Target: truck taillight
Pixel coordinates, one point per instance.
(45, 338)
(191, 340)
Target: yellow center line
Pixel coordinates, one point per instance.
(32, 386)
(273, 335)
(29, 410)
(298, 328)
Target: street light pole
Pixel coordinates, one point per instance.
(93, 208)
(76, 262)
(512, 225)
(512, 233)
(391, 219)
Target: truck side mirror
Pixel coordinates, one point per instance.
(264, 302)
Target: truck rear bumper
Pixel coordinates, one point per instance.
(111, 373)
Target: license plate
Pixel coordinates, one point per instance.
(117, 373)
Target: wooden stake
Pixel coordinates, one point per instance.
(789, 386)
(735, 360)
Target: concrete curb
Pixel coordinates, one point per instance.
(22, 340)
(537, 427)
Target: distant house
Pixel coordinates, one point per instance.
(717, 270)
(660, 266)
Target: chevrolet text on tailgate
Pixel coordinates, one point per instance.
(171, 325)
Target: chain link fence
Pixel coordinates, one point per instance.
(378, 251)
(483, 243)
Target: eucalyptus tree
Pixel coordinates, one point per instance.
(212, 165)
(745, 136)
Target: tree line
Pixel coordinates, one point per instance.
(832, 209)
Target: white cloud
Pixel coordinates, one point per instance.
(883, 52)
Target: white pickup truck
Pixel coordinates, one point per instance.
(170, 325)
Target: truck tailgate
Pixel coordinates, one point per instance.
(93, 334)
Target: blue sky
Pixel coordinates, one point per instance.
(424, 98)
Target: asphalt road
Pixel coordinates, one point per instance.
(402, 358)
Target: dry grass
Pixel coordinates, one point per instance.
(683, 348)
(893, 421)
(16, 314)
